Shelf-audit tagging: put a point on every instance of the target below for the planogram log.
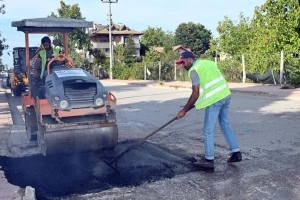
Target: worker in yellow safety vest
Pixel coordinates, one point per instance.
(46, 53)
(209, 91)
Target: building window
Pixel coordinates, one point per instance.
(104, 39)
(126, 39)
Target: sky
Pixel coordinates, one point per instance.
(136, 14)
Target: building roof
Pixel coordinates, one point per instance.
(175, 48)
(117, 29)
(159, 49)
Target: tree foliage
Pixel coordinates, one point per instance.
(2, 8)
(193, 36)
(99, 57)
(119, 54)
(169, 41)
(275, 27)
(153, 37)
(130, 51)
(151, 56)
(125, 65)
(167, 65)
(234, 38)
(3, 46)
(156, 37)
(78, 38)
(233, 41)
(125, 54)
(165, 60)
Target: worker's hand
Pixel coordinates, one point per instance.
(41, 47)
(181, 114)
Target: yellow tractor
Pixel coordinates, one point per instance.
(18, 74)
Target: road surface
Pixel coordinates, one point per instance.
(267, 129)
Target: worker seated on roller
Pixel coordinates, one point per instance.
(40, 61)
(42, 57)
(46, 53)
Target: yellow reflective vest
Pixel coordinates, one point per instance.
(43, 55)
(213, 86)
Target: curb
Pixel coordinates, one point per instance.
(29, 191)
(8, 113)
(256, 93)
(233, 90)
(247, 89)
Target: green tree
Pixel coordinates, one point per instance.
(125, 65)
(151, 56)
(130, 51)
(276, 27)
(233, 38)
(99, 57)
(156, 37)
(167, 65)
(125, 54)
(2, 8)
(168, 41)
(232, 43)
(77, 38)
(3, 46)
(119, 54)
(153, 37)
(193, 36)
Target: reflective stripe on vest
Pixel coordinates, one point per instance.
(213, 86)
(214, 91)
(211, 83)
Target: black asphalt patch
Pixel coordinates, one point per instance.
(64, 175)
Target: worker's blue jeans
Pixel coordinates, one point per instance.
(218, 110)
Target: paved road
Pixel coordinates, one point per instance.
(161, 168)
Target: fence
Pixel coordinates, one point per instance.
(284, 67)
(235, 69)
(164, 71)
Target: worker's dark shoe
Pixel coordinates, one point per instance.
(204, 164)
(235, 157)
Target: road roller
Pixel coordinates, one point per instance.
(68, 110)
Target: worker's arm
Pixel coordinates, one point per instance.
(190, 103)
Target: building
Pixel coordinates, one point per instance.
(99, 35)
(179, 49)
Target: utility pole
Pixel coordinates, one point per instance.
(110, 39)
